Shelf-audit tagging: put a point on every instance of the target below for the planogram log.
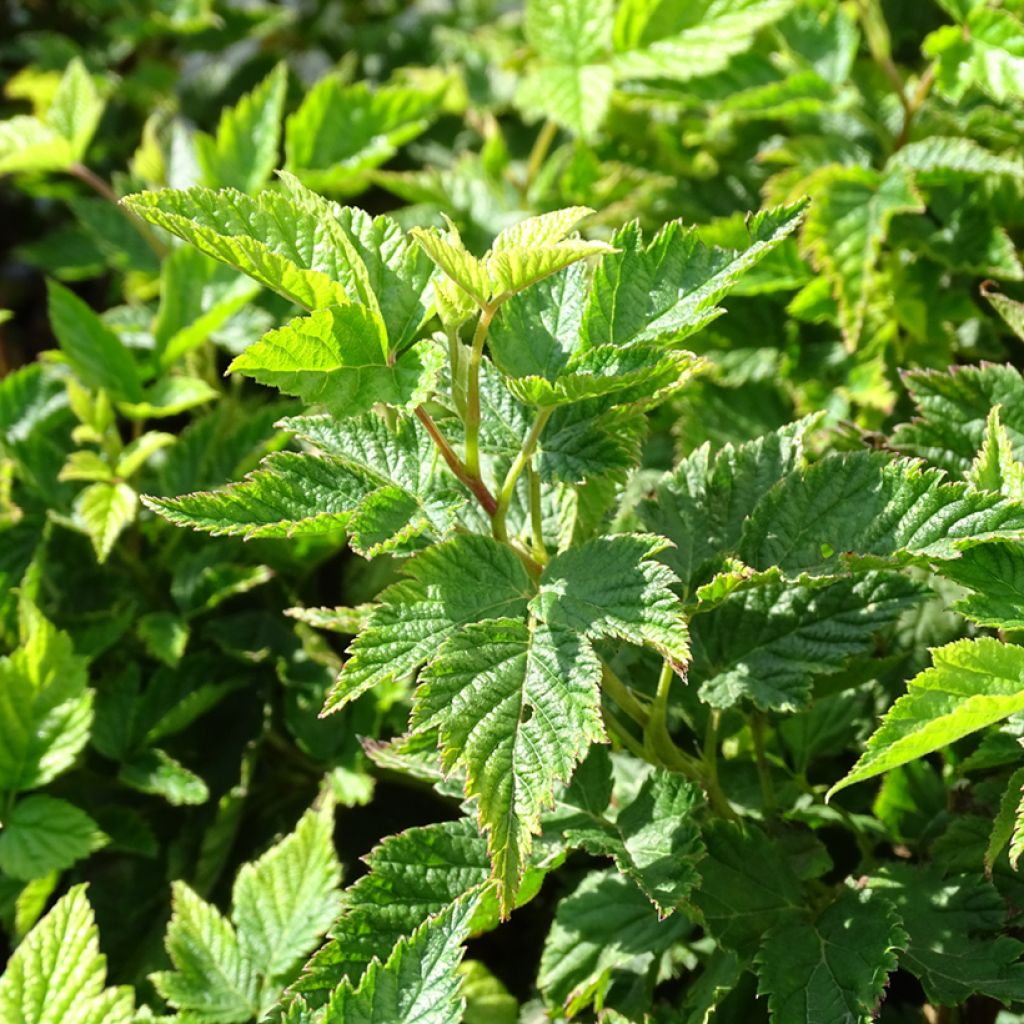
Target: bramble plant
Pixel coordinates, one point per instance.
(633, 581)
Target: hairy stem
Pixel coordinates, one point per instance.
(455, 464)
(522, 460)
(473, 392)
(98, 185)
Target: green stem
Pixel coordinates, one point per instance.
(473, 392)
(709, 750)
(455, 358)
(763, 768)
(619, 692)
(522, 460)
(474, 483)
(540, 552)
(99, 186)
(539, 153)
(621, 732)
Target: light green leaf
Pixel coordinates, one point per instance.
(103, 511)
(940, 160)
(164, 635)
(1007, 826)
(994, 468)
(43, 834)
(418, 983)
(138, 452)
(169, 396)
(339, 358)
(58, 975)
(574, 96)
(846, 226)
(654, 839)
(155, 772)
(766, 643)
(971, 684)
(341, 132)
(569, 31)
(467, 579)
(94, 351)
(666, 290)
(517, 706)
(283, 903)
(986, 52)
(244, 151)
(832, 968)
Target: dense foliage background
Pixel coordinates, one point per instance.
(160, 689)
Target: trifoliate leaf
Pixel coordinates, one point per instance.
(654, 839)
(102, 511)
(517, 706)
(463, 580)
(865, 503)
(745, 890)
(244, 152)
(956, 929)
(971, 684)
(45, 708)
(834, 967)
(767, 643)
(42, 834)
(666, 290)
(339, 358)
(58, 975)
(846, 226)
(341, 132)
(606, 927)
(418, 983)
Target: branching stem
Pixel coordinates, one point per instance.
(455, 464)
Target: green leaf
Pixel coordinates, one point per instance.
(940, 160)
(169, 396)
(517, 706)
(212, 979)
(834, 967)
(865, 503)
(1007, 825)
(956, 927)
(573, 96)
(994, 468)
(43, 834)
(654, 840)
(746, 888)
(342, 132)
(1009, 309)
(417, 984)
(58, 975)
(846, 226)
(668, 289)
(164, 635)
(605, 927)
(94, 351)
(412, 877)
(703, 48)
(339, 358)
(155, 772)
(103, 511)
(971, 684)
(569, 31)
(995, 572)
(283, 903)
(987, 52)
(45, 708)
(952, 413)
(467, 579)
(243, 154)
(766, 643)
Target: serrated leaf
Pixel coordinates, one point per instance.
(995, 572)
(1009, 309)
(42, 834)
(866, 503)
(58, 975)
(341, 132)
(654, 840)
(517, 706)
(94, 351)
(339, 358)
(244, 151)
(986, 52)
(994, 468)
(846, 226)
(417, 984)
(834, 967)
(605, 925)
(666, 290)
(463, 580)
(103, 511)
(1006, 828)
(767, 643)
(283, 903)
(971, 684)
(940, 160)
(956, 929)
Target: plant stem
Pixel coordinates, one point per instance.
(709, 750)
(540, 552)
(539, 152)
(763, 768)
(914, 104)
(473, 392)
(619, 692)
(475, 484)
(522, 460)
(623, 735)
(98, 185)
